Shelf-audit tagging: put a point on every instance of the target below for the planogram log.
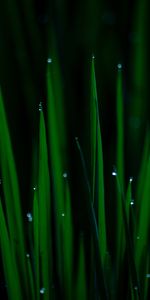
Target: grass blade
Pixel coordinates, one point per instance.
(44, 212)
(12, 198)
(9, 262)
(97, 160)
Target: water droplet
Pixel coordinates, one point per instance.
(49, 60)
(131, 179)
(63, 214)
(34, 188)
(119, 66)
(42, 290)
(136, 288)
(76, 138)
(147, 275)
(29, 216)
(40, 106)
(93, 56)
(114, 173)
(27, 255)
(65, 175)
(138, 237)
(132, 202)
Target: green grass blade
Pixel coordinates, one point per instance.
(120, 234)
(102, 284)
(143, 226)
(57, 144)
(97, 160)
(129, 245)
(36, 244)
(9, 262)
(12, 197)
(67, 239)
(44, 212)
(80, 289)
(31, 279)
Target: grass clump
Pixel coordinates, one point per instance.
(50, 269)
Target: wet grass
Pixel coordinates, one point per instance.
(45, 269)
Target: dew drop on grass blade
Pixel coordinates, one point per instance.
(67, 238)
(120, 234)
(143, 224)
(57, 145)
(44, 212)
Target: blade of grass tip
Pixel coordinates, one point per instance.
(120, 238)
(142, 243)
(9, 262)
(129, 244)
(94, 230)
(57, 144)
(67, 238)
(81, 286)
(98, 177)
(12, 198)
(44, 213)
(36, 244)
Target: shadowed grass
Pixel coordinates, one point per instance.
(97, 164)
(81, 289)
(44, 213)
(12, 200)
(9, 261)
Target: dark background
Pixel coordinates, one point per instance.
(81, 29)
